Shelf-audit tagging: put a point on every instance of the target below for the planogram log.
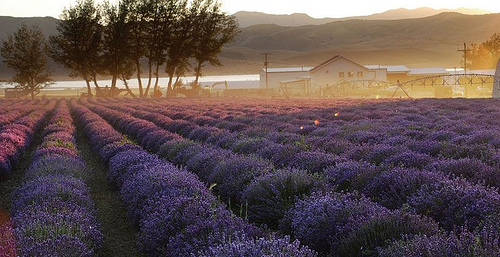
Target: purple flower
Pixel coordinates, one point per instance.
(321, 220)
(456, 203)
(248, 247)
(270, 196)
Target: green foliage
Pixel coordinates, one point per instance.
(78, 45)
(486, 54)
(25, 52)
(115, 39)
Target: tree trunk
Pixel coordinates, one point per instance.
(169, 86)
(97, 87)
(157, 75)
(113, 81)
(89, 89)
(150, 77)
(198, 73)
(139, 79)
(129, 91)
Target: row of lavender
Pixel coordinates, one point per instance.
(18, 123)
(16, 131)
(471, 204)
(280, 194)
(442, 146)
(52, 211)
(177, 215)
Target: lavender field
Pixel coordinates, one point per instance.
(249, 177)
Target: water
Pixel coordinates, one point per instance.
(234, 81)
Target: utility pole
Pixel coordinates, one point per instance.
(266, 64)
(465, 50)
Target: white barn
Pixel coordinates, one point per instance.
(274, 76)
(338, 69)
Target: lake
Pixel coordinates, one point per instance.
(234, 81)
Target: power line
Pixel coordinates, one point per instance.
(465, 51)
(266, 64)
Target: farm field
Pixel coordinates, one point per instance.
(249, 177)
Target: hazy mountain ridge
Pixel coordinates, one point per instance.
(444, 28)
(9, 25)
(247, 19)
(416, 42)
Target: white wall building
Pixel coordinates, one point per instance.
(339, 69)
(277, 75)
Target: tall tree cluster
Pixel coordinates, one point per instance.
(25, 52)
(486, 54)
(142, 38)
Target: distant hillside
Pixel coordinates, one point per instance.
(430, 41)
(417, 42)
(247, 19)
(444, 28)
(9, 25)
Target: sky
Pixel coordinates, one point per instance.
(314, 8)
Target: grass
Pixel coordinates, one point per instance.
(120, 235)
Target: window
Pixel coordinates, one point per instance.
(360, 74)
(350, 74)
(341, 74)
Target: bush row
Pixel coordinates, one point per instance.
(271, 197)
(17, 136)
(399, 172)
(52, 211)
(246, 182)
(176, 213)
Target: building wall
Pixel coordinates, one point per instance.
(380, 74)
(340, 70)
(274, 78)
(394, 77)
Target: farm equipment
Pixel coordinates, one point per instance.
(19, 92)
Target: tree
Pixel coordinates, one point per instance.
(179, 44)
(78, 46)
(118, 60)
(216, 29)
(486, 54)
(26, 53)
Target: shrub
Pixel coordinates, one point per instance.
(52, 187)
(204, 162)
(470, 168)
(270, 196)
(248, 247)
(119, 164)
(233, 174)
(168, 220)
(321, 220)
(350, 175)
(408, 159)
(150, 181)
(57, 164)
(456, 203)
(391, 188)
(280, 155)
(464, 244)
(378, 231)
(313, 161)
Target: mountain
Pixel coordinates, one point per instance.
(247, 19)
(9, 25)
(415, 42)
(419, 42)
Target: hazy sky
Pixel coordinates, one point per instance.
(315, 8)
